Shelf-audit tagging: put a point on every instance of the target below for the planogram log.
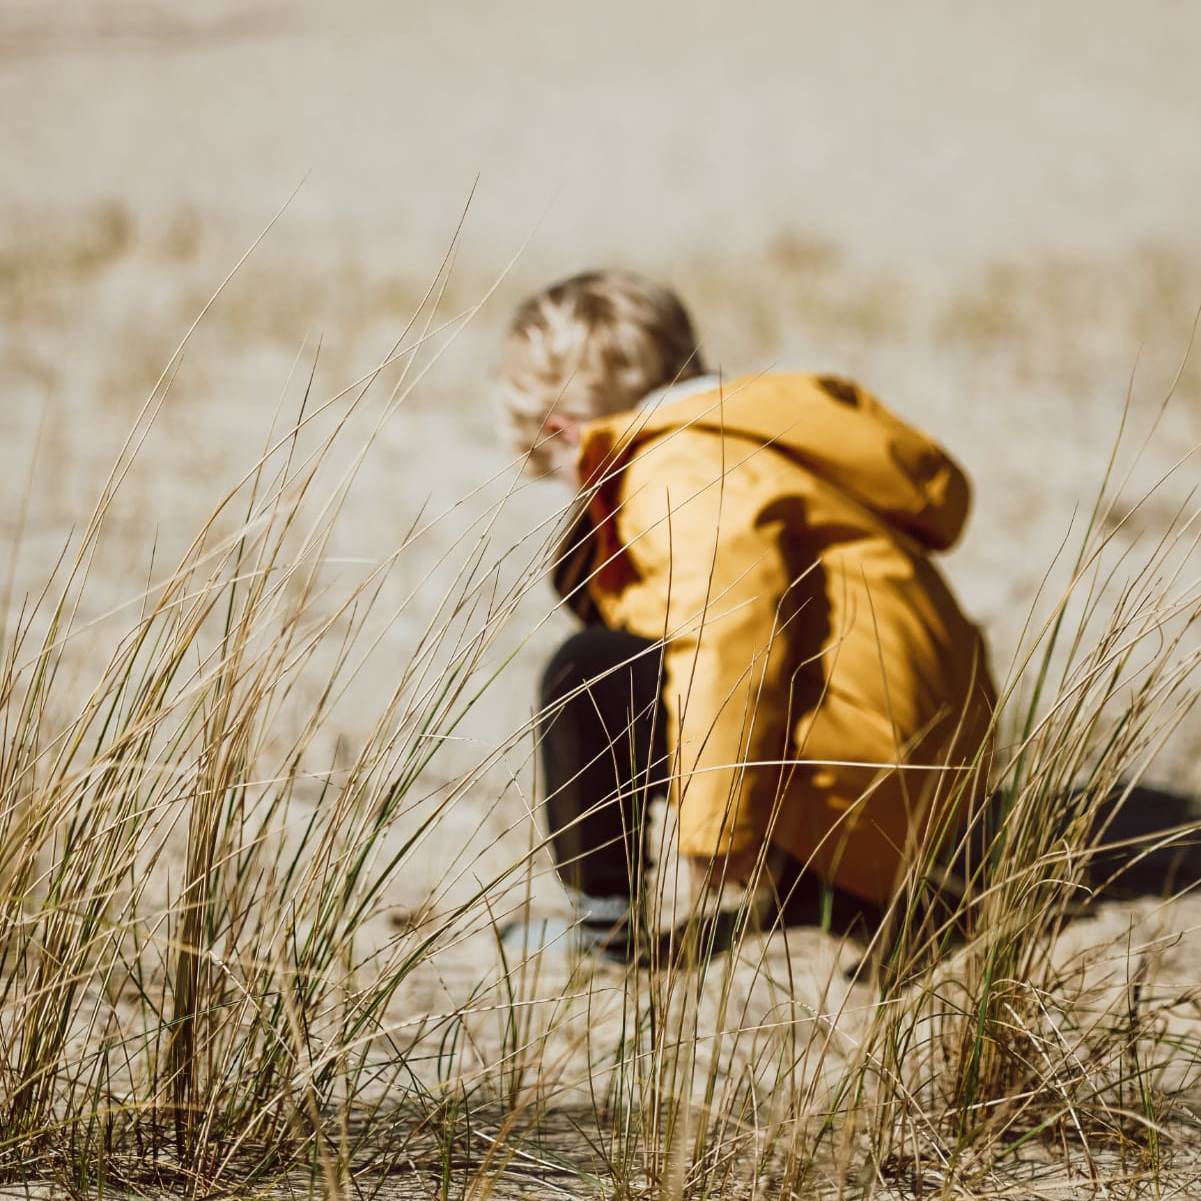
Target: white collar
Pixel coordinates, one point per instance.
(685, 387)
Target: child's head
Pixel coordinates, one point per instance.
(585, 347)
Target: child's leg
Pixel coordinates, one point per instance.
(603, 749)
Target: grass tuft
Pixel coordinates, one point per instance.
(208, 982)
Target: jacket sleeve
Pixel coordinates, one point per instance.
(716, 583)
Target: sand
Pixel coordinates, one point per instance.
(987, 216)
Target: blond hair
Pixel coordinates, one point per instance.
(585, 347)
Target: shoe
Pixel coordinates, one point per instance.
(607, 941)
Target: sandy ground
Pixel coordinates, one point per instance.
(989, 216)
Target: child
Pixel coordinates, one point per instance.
(765, 634)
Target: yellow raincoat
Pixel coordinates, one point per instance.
(823, 690)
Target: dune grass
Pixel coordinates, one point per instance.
(179, 977)
(195, 993)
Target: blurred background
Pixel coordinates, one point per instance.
(987, 214)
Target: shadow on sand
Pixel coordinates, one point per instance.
(1143, 842)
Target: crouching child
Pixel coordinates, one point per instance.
(765, 637)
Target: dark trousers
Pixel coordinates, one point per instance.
(603, 744)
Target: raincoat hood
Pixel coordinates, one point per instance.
(828, 425)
